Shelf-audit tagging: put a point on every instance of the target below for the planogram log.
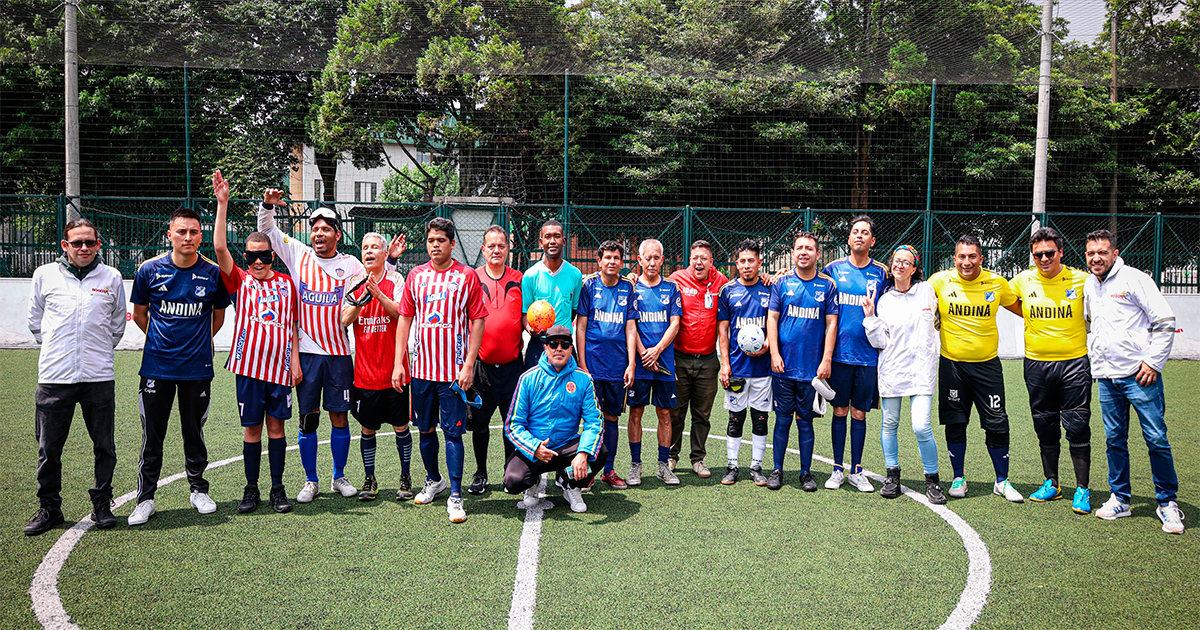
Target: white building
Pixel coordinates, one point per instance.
(352, 184)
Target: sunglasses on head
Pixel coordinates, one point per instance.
(558, 343)
(263, 255)
(89, 243)
(1049, 253)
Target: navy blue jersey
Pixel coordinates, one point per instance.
(802, 306)
(852, 282)
(607, 309)
(656, 306)
(741, 306)
(179, 335)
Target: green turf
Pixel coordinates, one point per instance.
(700, 555)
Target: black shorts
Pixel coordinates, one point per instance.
(373, 408)
(496, 385)
(1060, 392)
(962, 384)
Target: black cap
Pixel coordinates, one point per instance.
(557, 332)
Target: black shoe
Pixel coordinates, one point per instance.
(775, 480)
(807, 483)
(478, 484)
(370, 489)
(891, 485)
(757, 477)
(279, 500)
(933, 490)
(250, 499)
(404, 492)
(103, 517)
(731, 476)
(43, 520)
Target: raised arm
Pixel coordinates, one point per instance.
(220, 238)
(273, 197)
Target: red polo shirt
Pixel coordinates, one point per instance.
(698, 326)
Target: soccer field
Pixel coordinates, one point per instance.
(700, 555)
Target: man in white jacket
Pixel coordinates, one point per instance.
(1132, 329)
(77, 314)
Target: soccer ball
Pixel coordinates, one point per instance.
(751, 339)
(540, 316)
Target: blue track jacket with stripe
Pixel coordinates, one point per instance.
(549, 404)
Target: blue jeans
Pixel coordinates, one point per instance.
(921, 408)
(1116, 395)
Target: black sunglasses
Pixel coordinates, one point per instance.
(263, 255)
(558, 343)
(1045, 254)
(88, 243)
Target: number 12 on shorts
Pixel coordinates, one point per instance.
(994, 401)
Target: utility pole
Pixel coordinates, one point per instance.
(1043, 124)
(1112, 199)
(71, 87)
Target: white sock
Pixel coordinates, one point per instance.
(732, 446)
(758, 449)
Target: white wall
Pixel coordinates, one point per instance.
(14, 330)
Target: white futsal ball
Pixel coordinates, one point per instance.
(751, 338)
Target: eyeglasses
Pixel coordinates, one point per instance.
(556, 344)
(89, 243)
(902, 263)
(1047, 254)
(262, 254)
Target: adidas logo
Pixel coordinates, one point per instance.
(204, 394)
(1033, 294)
(954, 294)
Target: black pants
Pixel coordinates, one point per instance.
(155, 399)
(54, 408)
(1060, 394)
(521, 474)
(496, 385)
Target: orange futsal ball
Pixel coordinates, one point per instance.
(540, 316)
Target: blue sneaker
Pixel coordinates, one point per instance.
(1082, 503)
(1048, 492)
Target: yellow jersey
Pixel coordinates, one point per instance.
(1053, 310)
(968, 310)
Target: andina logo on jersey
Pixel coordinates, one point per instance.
(320, 298)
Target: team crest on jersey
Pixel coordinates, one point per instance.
(1072, 294)
(766, 301)
(621, 301)
(201, 291)
(339, 271)
(820, 296)
(665, 299)
(954, 395)
(989, 296)
(571, 387)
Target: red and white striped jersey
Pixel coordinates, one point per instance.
(375, 338)
(265, 315)
(441, 303)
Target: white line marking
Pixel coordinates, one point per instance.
(524, 597)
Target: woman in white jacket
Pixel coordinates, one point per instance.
(904, 331)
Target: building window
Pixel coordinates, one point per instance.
(319, 189)
(364, 192)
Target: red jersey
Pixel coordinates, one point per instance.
(265, 314)
(441, 304)
(502, 343)
(375, 338)
(698, 326)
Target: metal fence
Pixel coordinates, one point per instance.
(134, 230)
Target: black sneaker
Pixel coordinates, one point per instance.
(43, 520)
(775, 481)
(933, 490)
(370, 489)
(279, 500)
(478, 484)
(404, 492)
(891, 485)
(757, 476)
(731, 476)
(807, 483)
(250, 499)
(103, 517)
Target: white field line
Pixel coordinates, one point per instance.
(524, 597)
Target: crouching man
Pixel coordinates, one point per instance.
(543, 423)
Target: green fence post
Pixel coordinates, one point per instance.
(687, 230)
(807, 219)
(60, 212)
(566, 221)
(927, 242)
(1158, 244)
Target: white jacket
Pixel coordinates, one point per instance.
(78, 322)
(903, 330)
(1129, 322)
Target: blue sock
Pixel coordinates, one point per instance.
(454, 463)
(404, 447)
(806, 438)
(252, 459)
(429, 455)
(635, 452)
(308, 454)
(858, 437)
(999, 462)
(367, 447)
(277, 456)
(664, 453)
(958, 453)
(783, 428)
(339, 444)
(837, 431)
(611, 433)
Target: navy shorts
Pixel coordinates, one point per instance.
(256, 397)
(793, 397)
(610, 396)
(332, 374)
(374, 408)
(653, 391)
(434, 404)
(854, 386)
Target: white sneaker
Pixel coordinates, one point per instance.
(1005, 489)
(635, 474)
(430, 491)
(142, 512)
(958, 488)
(1172, 518)
(860, 481)
(1113, 509)
(203, 503)
(835, 480)
(531, 499)
(454, 507)
(573, 496)
(343, 485)
(308, 492)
